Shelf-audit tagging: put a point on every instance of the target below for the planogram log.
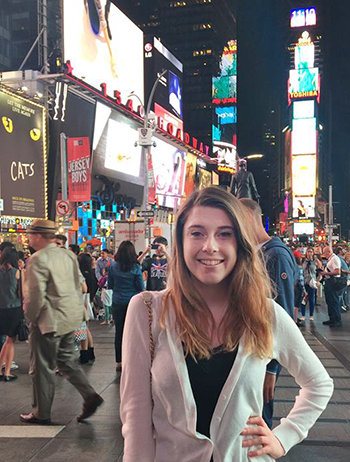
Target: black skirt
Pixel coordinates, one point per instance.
(10, 320)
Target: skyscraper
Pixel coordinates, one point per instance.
(196, 31)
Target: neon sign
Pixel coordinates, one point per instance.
(303, 17)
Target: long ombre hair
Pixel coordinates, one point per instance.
(249, 309)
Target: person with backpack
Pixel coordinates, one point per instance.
(283, 271)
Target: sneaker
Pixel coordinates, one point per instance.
(344, 308)
(312, 318)
(14, 366)
(302, 318)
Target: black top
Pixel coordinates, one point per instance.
(207, 377)
(157, 269)
(91, 282)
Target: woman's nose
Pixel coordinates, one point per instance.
(210, 245)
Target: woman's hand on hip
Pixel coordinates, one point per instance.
(261, 435)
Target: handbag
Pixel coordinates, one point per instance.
(147, 299)
(313, 283)
(23, 329)
(88, 307)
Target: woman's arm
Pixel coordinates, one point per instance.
(293, 352)
(135, 387)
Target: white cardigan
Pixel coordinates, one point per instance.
(174, 414)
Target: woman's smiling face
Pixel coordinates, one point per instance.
(209, 245)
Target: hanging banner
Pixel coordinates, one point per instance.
(151, 181)
(79, 169)
(23, 165)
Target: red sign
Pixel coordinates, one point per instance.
(79, 169)
(151, 181)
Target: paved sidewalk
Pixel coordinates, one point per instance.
(99, 439)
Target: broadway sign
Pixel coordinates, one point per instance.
(22, 156)
(79, 169)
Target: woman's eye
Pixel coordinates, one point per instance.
(226, 234)
(196, 234)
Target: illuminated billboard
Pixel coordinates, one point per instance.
(304, 52)
(114, 153)
(226, 115)
(165, 117)
(303, 82)
(303, 17)
(122, 155)
(169, 173)
(23, 162)
(304, 207)
(304, 175)
(103, 46)
(304, 136)
(168, 94)
(190, 177)
(304, 109)
(304, 228)
(204, 179)
(215, 179)
(224, 97)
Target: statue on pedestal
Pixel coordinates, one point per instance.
(243, 183)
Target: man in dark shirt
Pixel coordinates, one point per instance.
(157, 266)
(283, 272)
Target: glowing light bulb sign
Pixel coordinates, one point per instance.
(303, 17)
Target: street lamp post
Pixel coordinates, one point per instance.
(145, 141)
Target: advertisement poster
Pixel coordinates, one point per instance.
(22, 157)
(169, 173)
(303, 207)
(304, 175)
(79, 169)
(303, 81)
(103, 46)
(304, 136)
(190, 177)
(168, 94)
(204, 179)
(224, 94)
(122, 155)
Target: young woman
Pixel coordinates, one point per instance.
(11, 311)
(215, 330)
(125, 279)
(310, 266)
(87, 353)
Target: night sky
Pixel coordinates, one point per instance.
(262, 39)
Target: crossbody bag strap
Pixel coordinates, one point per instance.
(147, 299)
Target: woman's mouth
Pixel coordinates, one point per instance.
(210, 262)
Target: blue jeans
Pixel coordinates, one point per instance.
(312, 300)
(268, 407)
(333, 300)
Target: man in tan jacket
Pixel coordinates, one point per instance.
(54, 308)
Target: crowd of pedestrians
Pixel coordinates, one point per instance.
(199, 341)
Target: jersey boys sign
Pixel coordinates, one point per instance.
(22, 156)
(79, 169)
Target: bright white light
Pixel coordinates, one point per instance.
(304, 175)
(303, 207)
(304, 136)
(304, 228)
(98, 57)
(303, 109)
(101, 118)
(121, 154)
